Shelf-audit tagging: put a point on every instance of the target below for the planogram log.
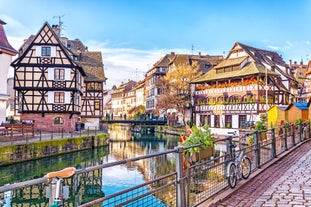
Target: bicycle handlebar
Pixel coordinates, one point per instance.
(64, 173)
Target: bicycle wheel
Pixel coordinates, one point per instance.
(246, 167)
(232, 177)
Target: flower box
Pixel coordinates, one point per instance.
(203, 154)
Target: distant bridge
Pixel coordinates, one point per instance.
(138, 122)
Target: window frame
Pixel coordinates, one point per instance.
(59, 120)
(59, 74)
(59, 97)
(46, 51)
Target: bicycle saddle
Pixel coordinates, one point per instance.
(64, 173)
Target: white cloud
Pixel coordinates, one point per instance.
(122, 64)
(273, 47)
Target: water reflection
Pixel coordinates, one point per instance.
(124, 144)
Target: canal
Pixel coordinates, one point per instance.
(124, 144)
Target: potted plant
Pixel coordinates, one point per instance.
(200, 142)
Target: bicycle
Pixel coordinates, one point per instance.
(56, 178)
(239, 167)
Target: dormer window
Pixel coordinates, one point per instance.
(46, 51)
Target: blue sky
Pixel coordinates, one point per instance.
(134, 34)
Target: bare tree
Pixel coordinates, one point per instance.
(175, 87)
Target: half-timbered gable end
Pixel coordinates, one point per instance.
(48, 82)
(92, 99)
(248, 82)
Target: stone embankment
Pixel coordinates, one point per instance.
(10, 154)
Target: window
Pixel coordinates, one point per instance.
(216, 121)
(45, 51)
(228, 121)
(242, 121)
(97, 105)
(93, 86)
(59, 74)
(205, 120)
(58, 120)
(59, 97)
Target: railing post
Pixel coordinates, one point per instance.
(228, 147)
(40, 135)
(62, 133)
(284, 138)
(299, 132)
(256, 149)
(292, 135)
(309, 130)
(180, 188)
(52, 135)
(273, 145)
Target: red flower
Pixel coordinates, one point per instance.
(188, 129)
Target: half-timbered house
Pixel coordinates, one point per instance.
(236, 91)
(168, 62)
(48, 82)
(92, 98)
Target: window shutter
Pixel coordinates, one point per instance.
(38, 51)
(67, 97)
(53, 51)
(67, 73)
(50, 73)
(50, 97)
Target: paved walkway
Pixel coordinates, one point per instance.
(283, 183)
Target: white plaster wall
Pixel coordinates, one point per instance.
(5, 61)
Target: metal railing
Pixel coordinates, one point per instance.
(23, 136)
(177, 185)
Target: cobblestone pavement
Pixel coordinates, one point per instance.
(287, 182)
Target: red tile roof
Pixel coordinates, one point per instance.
(4, 43)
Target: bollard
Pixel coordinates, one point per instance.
(180, 194)
(256, 149)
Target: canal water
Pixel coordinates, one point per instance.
(124, 144)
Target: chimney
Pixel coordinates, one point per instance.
(199, 54)
(290, 63)
(172, 53)
(56, 29)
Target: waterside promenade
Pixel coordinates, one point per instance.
(286, 181)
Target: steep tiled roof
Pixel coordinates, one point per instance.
(231, 62)
(92, 64)
(4, 43)
(249, 69)
(267, 58)
(177, 59)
